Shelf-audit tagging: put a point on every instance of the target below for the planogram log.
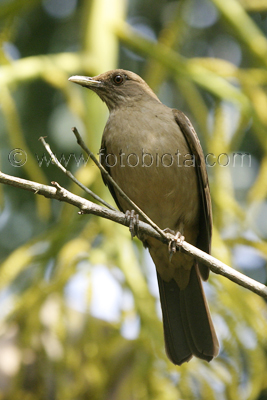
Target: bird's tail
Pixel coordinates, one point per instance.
(188, 328)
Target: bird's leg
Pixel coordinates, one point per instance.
(174, 242)
(132, 219)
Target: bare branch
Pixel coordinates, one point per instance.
(87, 207)
(71, 176)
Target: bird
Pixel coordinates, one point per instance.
(153, 153)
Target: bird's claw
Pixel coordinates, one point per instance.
(132, 219)
(175, 241)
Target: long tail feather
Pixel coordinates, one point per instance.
(188, 328)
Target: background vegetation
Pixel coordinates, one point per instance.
(79, 310)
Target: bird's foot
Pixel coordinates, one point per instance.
(132, 219)
(175, 241)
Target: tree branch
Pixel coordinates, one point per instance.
(87, 207)
(71, 176)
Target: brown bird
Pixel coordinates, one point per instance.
(154, 155)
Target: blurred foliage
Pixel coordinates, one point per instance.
(79, 304)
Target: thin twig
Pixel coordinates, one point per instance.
(88, 207)
(71, 176)
(111, 180)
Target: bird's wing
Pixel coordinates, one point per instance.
(205, 223)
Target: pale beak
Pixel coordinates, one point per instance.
(85, 81)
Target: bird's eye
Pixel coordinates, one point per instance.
(118, 79)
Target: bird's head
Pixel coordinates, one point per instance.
(117, 87)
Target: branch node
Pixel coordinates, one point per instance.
(60, 189)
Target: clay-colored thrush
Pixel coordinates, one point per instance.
(154, 155)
